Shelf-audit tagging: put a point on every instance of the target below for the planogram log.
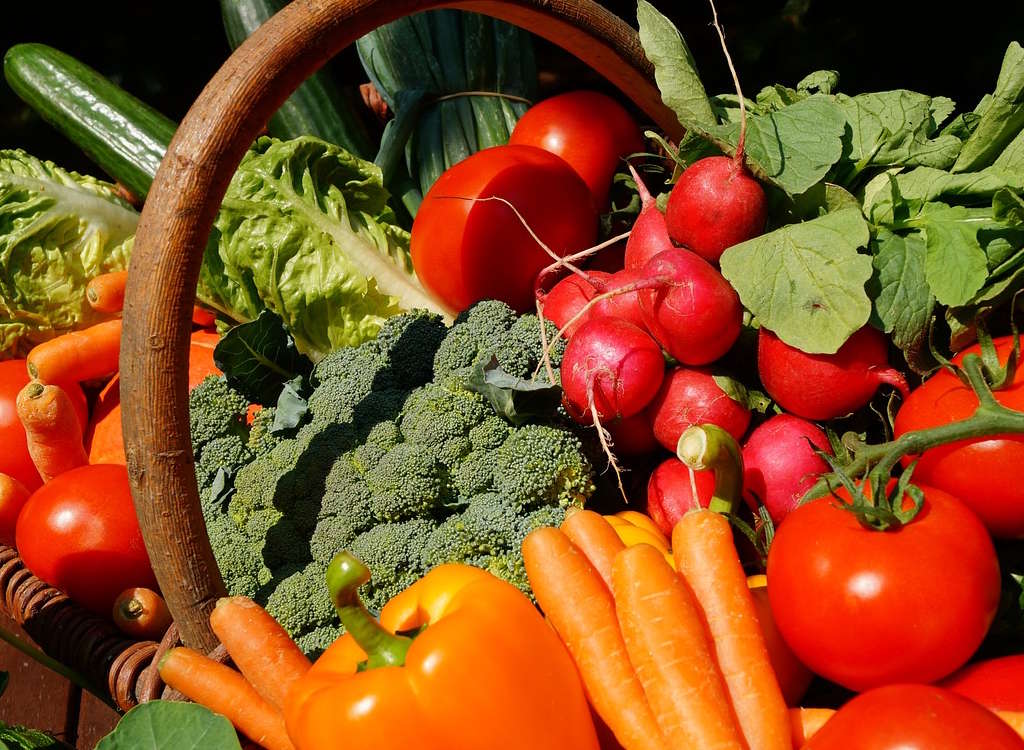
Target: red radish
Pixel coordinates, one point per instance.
(780, 465)
(650, 232)
(633, 436)
(715, 204)
(670, 492)
(697, 316)
(825, 386)
(611, 369)
(568, 297)
(625, 306)
(689, 396)
(611, 260)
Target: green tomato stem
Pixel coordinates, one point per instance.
(708, 446)
(345, 575)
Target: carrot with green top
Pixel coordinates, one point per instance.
(261, 649)
(79, 355)
(595, 538)
(224, 691)
(706, 557)
(666, 640)
(105, 292)
(580, 607)
(52, 429)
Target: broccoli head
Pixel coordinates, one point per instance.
(408, 482)
(261, 439)
(230, 453)
(392, 552)
(299, 600)
(215, 410)
(543, 465)
(473, 337)
(441, 416)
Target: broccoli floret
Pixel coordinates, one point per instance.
(409, 342)
(333, 533)
(474, 474)
(382, 437)
(230, 453)
(543, 465)
(489, 434)
(299, 599)
(318, 640)
(474, 337)
(240, 563)
(215, 410)
(408, 482)
(488, 526)
(519, 350)
(441, 415)
(392, 552)
(261, 441)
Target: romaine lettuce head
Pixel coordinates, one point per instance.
(305, 230)
(58, 229)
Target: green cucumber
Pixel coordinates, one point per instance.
(317, 107)
(124, 136)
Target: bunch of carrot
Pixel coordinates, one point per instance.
(669, 659)
(252, 697)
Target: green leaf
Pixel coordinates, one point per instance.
(925, 184)
(1012, 158)
(806, 281)
(1008, 207)
(1002, 119)
(291, 406)
(955, 264)
(171, 725)
(794, 147)
(258, 358)
(896, 128)
(674, 68)
(748, 398)
(903, 302)
(513, 398)
(58, 230)
(20, 738)
(819, 82)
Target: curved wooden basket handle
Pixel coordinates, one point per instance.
(179, 213)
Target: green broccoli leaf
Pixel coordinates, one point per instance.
(258, 358)
(903, 301)
(515, 399)
(171, 725)
(292, 406)
(1003, 118)
(806, 281)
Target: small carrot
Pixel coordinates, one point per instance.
(706, 557)
(141, 613)
(804, 722)
(596, 539)
(105, 292)
(260, 648)
(13, 497)
(224, 691)
(78, 355)
(580, 608)
(668, 645)
(52, 428)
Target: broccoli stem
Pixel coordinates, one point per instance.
(708, 446)
(345, 575)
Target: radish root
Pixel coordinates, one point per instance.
(603, 436)
(740, 143)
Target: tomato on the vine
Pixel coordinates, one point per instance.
(982, 472)
(865, 608)
(913, 717)
(79, 533)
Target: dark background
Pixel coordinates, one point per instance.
(165, 52)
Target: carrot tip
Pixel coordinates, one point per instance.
(35, 390)
(32, 371)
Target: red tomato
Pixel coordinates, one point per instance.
(13, 497)
(997, 684)
(589, 130)
(79, 533)
(983, 472)
(14, 458)
(465, 251)
(865, 608)
(914, 717)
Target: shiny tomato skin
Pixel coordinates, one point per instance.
(997, 684)
(14, 458)
(865, 608)
(79, 533)
(591, 131)
(983, 472)
(465, 251)
(914, 717)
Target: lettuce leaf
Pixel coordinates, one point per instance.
(305, 231)
(58, 229)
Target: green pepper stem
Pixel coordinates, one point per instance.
(345, 575)
(708, 446)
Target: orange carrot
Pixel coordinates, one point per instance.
(224, 691)
(79, 355)
(595, 538)
(13, 497)
(203, 317)
(260, 648)
(105, 292)
(804, 722)
(706, 557)
(52, 428)
(580, 608)
(141, 613)
(668, 645)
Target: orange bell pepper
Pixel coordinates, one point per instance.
(460, 660)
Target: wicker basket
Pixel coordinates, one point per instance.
(176, 220)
